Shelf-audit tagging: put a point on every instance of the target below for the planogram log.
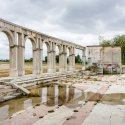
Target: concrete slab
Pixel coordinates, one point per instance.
(56, 118)
(104, 114)
(116, 89)
(27, 117)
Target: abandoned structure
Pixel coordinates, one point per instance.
(108, 58)
(17, 36)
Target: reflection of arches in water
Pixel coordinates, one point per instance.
(27, 103)
(51, 95)
(77, 93)
(62, 94)
(56, 94)
(37, 93)
(44, 94)
(71, 93)
(15, 105)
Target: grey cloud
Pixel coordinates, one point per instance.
(67, 19)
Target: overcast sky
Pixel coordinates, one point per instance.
(80, 21)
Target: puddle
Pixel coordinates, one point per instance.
(48, 95)
(113, 98)
(52, 95)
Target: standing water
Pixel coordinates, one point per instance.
(49, 95)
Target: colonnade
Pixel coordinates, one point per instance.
(17, 36)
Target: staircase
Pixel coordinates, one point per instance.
(8, 92)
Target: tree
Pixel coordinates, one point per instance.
(57, 58)
(45, 59)
(78, 59)
(106, 43)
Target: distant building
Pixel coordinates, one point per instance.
(93, 54)
(108, 57)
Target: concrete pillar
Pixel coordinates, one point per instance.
(65, 58)
(70, 59)
(35, 61)
(51, 59)
(41, 57)
(83, 59)
(13, 61)
(61, 59)
(37, 58)
(13, 54)
(51, 95)
(73, 58)
(21, 49)
(71, 93)
(62, 94)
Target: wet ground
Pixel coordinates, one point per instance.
(78, 100)
(50, 95)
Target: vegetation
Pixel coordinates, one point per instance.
(78, 59)
(116, 41)
(92, 68)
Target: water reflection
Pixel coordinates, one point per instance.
(4, 112)
(49, 95)
(27, 103)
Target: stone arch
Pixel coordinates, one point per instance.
(47, 43)
(9, 36)
(33, 41)
(47, 48)
(12, 52)
(34, 52)
(59, 47)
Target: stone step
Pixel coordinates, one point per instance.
(8, 87)
(7, 92)
(8, 97)
(21, 88)
(2, 86)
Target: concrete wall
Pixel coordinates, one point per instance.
(105, 55)
(111, 55)
(93, 54)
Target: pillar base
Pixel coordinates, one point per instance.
(83, 67)
(13, 73)
(51, 70)
(62, 70)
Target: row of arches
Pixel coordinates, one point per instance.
(46, 56)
